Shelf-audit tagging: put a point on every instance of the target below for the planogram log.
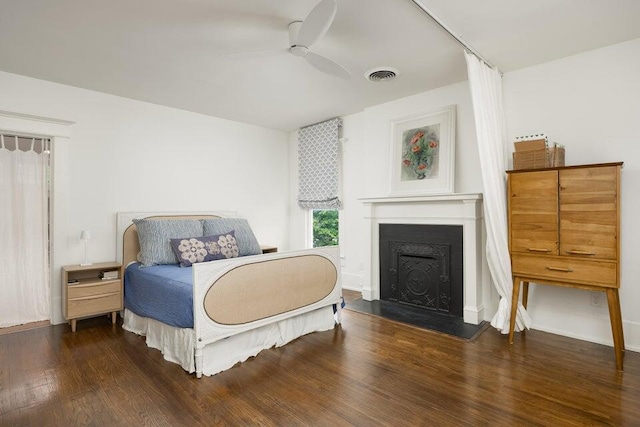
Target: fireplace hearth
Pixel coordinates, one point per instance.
(421, 265)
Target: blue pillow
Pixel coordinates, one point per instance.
(155, 237)
(247, 242)
(191, 250)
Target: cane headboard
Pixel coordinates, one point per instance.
(128, 244)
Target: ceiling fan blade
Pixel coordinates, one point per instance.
(254, 53)
(326, 65)
(317, 22)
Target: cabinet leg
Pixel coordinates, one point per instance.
(113, 317)
(619, 314)
(514, 307)
(615, 315)
(73, 325)
(525, 298)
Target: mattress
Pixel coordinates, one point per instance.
(160, 292)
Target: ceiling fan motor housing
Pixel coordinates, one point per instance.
(294, 29)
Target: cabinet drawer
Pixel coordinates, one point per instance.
(94, 305)
(566, 270)
(96, 288)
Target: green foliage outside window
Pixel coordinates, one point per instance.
(325, 228)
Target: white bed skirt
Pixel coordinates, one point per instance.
(177, 344)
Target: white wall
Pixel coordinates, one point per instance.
(589, 102)
(125, 155)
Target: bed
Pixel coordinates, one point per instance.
(222, 312)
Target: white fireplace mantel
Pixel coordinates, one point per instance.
(454, 209)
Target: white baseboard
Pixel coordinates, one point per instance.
(631, 334)
(352, 282)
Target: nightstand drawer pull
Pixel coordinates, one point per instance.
(538, 250)
(577, 252)
(564, 270)
(94, 296)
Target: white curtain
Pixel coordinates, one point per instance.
(486, 94)
(24, 266)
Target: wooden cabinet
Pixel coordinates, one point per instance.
(268, 249)
(86, 294)
(564, 228)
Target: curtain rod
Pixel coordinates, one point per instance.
(445, 27)
(22, 135)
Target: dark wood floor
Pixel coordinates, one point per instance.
(369, 372)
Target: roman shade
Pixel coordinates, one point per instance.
(318, 165)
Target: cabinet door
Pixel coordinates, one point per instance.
(589, 212)
(533, 212)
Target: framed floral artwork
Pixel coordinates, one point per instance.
(423, 153)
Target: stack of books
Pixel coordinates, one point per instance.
(109, 275)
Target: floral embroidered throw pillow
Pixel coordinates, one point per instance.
(191, 250)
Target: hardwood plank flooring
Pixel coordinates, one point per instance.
(368, 372)
(25, 327)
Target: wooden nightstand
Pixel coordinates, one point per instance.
(268, 249)
(85, 294)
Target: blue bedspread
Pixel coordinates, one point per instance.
(161, 292)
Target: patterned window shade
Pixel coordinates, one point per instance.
(318, 165)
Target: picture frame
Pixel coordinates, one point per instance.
(423, 153)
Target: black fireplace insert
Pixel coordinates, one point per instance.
(421, 266)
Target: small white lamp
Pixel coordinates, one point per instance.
(85, 235)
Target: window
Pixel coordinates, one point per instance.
(324, 227)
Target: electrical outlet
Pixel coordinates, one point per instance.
(596, 299)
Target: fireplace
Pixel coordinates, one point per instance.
(421, 266)
(463, 212)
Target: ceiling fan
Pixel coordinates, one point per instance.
(303, 34)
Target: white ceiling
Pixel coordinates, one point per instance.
(168, 52)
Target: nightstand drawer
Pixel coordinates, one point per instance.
(100, 288)
(565, 270)
(94, 304)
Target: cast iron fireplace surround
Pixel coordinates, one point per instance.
(421, 266)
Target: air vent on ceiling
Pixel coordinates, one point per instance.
(381, 74)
